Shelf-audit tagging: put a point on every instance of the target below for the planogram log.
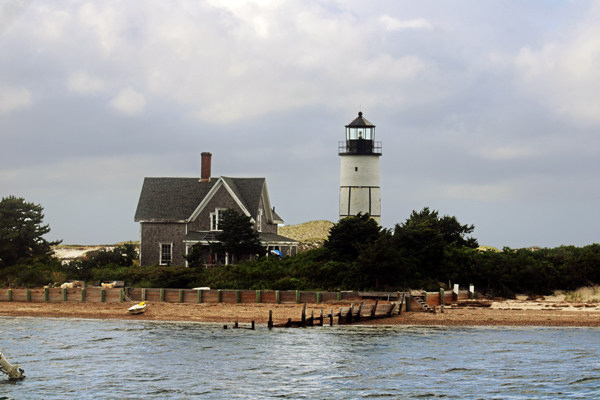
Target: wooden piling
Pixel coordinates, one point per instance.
(199, 296)
(270, 323)
(181, 295)
(9, 295)
(162, 294)
(82, 295)
(46, 294)
(258, 299)
(64, 294)
(219, 296)
(28, 295)
(331, 318)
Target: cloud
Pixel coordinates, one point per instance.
(565, 75)
(82, 82)
(395, 24)
(12, 98)
(129, 102)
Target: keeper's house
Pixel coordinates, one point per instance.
(177, 213)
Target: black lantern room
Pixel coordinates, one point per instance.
(360, 138)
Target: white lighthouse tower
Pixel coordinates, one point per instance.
(359, 178)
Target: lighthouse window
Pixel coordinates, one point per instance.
(355, 168)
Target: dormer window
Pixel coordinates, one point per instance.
(216, 218)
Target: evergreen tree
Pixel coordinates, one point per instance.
(237, 236)
(21, 232)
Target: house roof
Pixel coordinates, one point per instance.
(176, 199)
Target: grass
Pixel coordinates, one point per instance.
(307, 231)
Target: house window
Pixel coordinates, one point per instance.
(221, 258)
(216, 218)
(166, 253)
(259, 221)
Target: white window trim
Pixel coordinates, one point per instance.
(212, 215)
(160, 253)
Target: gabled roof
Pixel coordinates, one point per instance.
(182, 199)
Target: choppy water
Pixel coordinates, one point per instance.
(92, 359)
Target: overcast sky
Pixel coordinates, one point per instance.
(487, 110)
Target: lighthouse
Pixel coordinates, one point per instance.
(359, 177)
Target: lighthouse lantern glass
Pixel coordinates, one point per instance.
(362, 132)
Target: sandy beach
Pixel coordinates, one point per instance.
(488, 313)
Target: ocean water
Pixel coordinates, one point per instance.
(95, 359)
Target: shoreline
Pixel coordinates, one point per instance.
(500, 313)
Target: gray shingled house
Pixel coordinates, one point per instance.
(177, 213)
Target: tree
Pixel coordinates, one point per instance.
(427, 237)
(349, 235)
(237, 236)
(21, 232)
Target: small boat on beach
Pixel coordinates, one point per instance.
(138, 308)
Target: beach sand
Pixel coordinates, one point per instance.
(548, 312)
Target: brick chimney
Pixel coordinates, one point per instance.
(205, 174)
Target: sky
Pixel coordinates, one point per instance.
(487, 110)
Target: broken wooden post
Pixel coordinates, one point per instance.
(374, 309)
(270, 323)
(303, 318)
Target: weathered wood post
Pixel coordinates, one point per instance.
(297, 297)
(162, 294)
(311, 321)
(238, 296)
(219, 296)
(455, 292)
(46, 294)
(199, 296)
(359, 312)
(339, 296)
(321, 318)
(143, 294)
(270, 323)
(120, 295)
(340, 317)
(82, 295)
(102, 295)
(181, 295)
(319, 297)
(277, 297)
(235, 325)
(374, 309)
(331, 318)
(258, 299)
(252, 326)
(303, 318)
(471, 292)
(9, 294)
(64, 294)
(441, 296)
(409, 302)
(28, 295)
